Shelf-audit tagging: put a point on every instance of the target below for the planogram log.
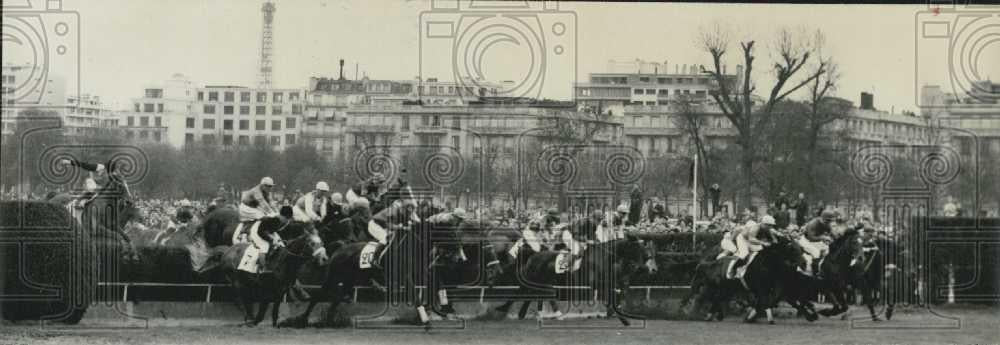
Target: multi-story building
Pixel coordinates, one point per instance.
(179, 113)
(24, 95)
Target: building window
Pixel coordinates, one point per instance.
(213, 96)
(243, 140)
(650, 91)
(208, 139)
(275, 140)
(131, 121)
(456, 143)
(144, 121)
(208, 124)
(405, 126)
(138, 108)
(289, 139)
(261, 97)
(457, 123)
(208, 109)
(201, 97)
(159, 107)
(227, 110)
(296, 109)
(156, 136)
(260, 125)
(159, 121)
(148, 108)
(260, 140)
(190, 122)
(644, 79)
(277, 97)
(290, 123)
(244, 110)
(228, 97)
(638, 91)
(244, 124)
(244, 97)
(276, 110)
(293, 96)
(261, 110)
(189, 138)
(227, 140)
(436, 121)
(276, 125)
(227, 124)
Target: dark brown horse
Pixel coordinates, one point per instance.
(283, 264)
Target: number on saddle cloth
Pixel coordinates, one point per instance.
(368, 255)
(562, 263)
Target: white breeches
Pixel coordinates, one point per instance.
(377, 232)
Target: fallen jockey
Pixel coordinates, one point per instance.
(815, 240)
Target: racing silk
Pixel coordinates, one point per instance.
(393, 216)
(255, 204)
(309, 208)
(814, 230)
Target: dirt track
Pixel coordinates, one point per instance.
(979, 325)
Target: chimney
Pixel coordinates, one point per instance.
(723, 69)
(684, 68)
(867, 101)
(676, 69)
(341, 69)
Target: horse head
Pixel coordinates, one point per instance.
(634, 252)
(307, 243)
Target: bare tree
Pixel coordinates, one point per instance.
(735, 94)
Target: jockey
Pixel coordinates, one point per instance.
(752, 240)
(728, 242)
(354, 227)
(816, 238)
(535, 237)
(256, 202)
(581, 232)
(393, 218)
(448, 221)
(311, 207)
(97, 171)
(613, 227)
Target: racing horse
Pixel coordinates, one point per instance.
(841, 268)
(770, 276)
(283, 265)
(607, 267)
(869, 274)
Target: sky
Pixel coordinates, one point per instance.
(125, 45)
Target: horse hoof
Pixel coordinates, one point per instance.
(718, 317)
(888, 314)
(427, 326)
(811, 317)
(876, 319)
(624, 321)
(771, 322)
(827, 312)
(709, 317)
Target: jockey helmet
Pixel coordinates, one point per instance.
(322, 186)
(90, 185)
(828, 215)
(360, 203)
(100, 168)
(622, 208)
(337, 198)
(553, 212)
(459, 212)
(267, 181)
(768, 220)
(184, 203)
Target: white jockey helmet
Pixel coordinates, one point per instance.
(622, 208)
(767, 220)
(184, 203)
(267, 181)
(322, 186)
(90, 185)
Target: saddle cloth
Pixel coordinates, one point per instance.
(250, 262)
(562, 264)
(367, 255)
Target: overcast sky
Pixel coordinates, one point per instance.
(130, 43)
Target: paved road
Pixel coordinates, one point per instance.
(979, 325)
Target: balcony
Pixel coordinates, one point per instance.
(430, 130)
(496, 130)
(651, 131)
(370, 129)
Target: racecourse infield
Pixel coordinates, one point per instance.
(913, 325)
